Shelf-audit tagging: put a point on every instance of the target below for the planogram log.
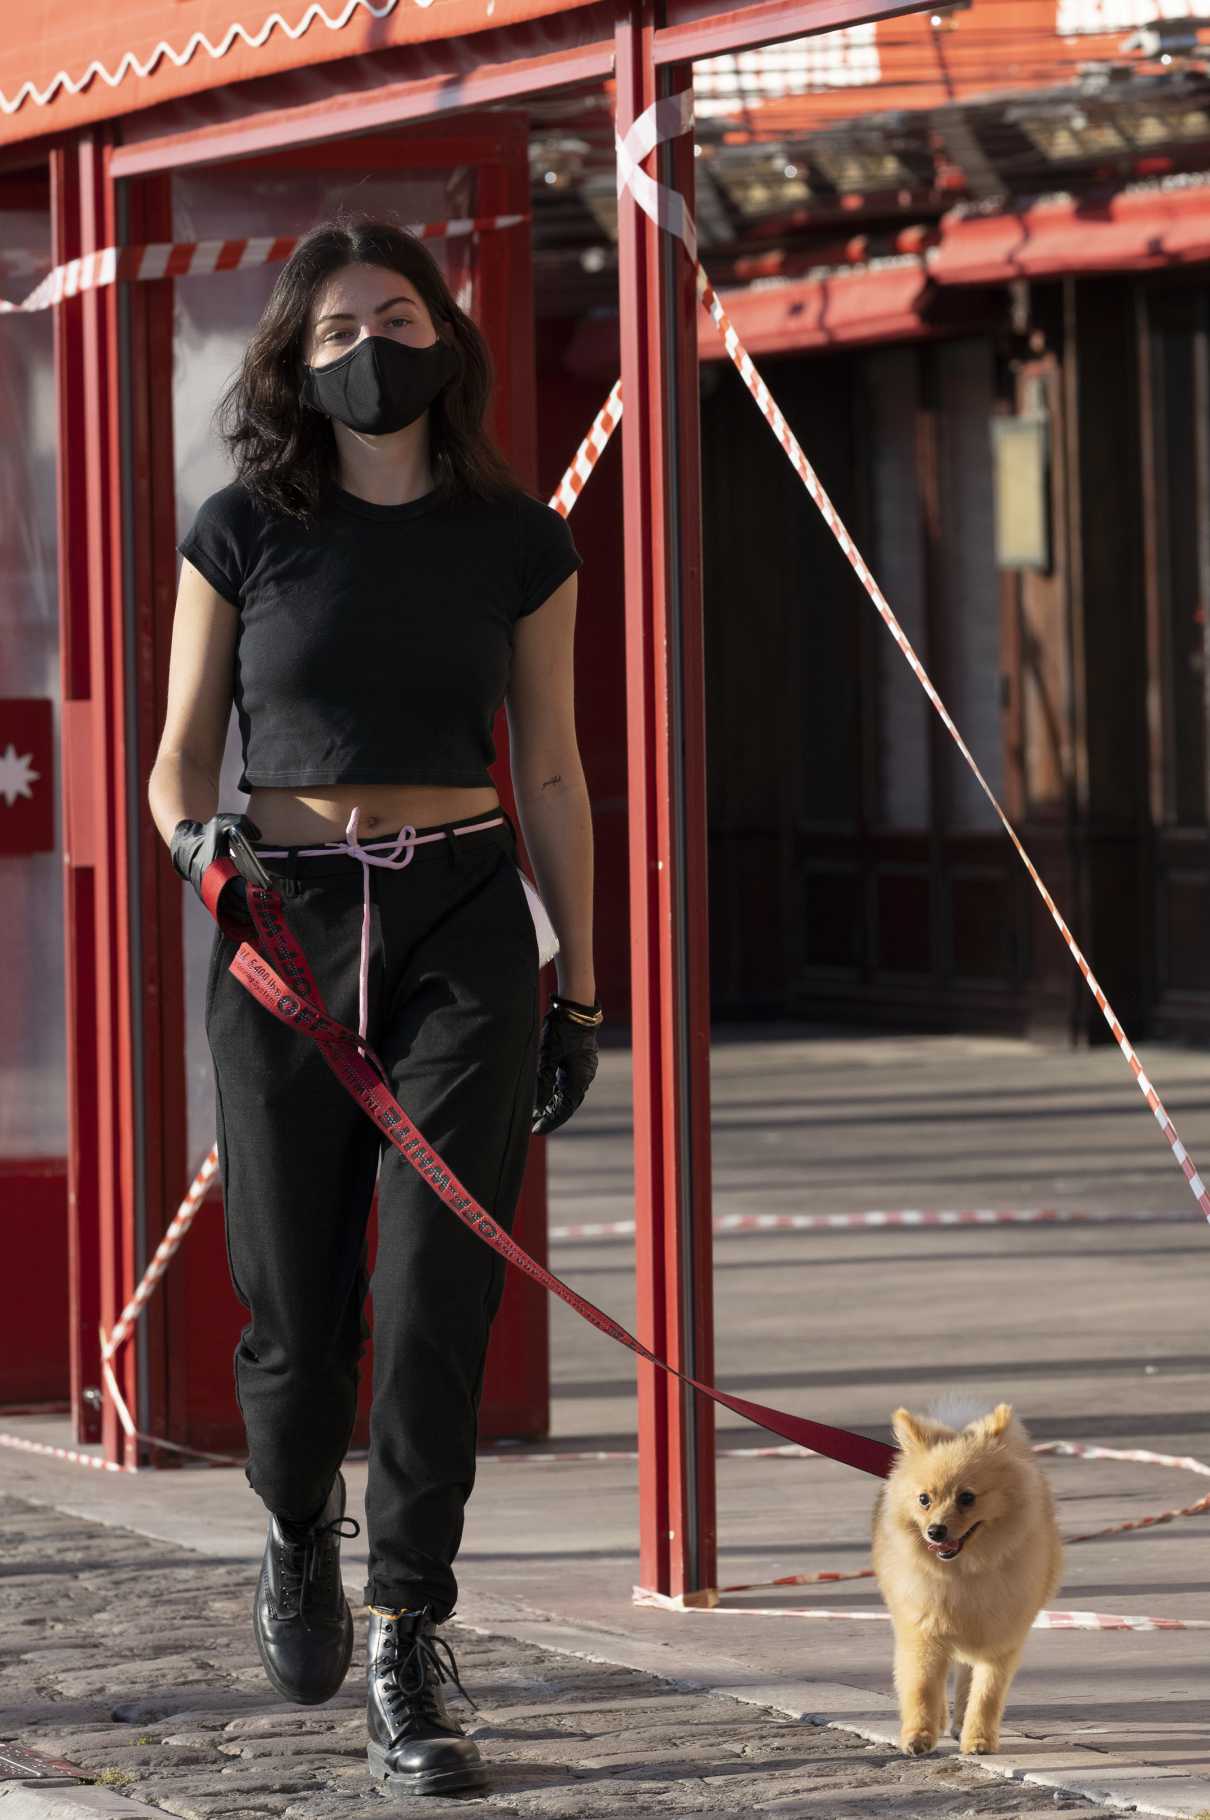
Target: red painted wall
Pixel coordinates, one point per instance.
(33, 1230)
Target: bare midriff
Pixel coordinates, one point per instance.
(321, 813)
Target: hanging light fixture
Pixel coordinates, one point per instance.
(1021, 470)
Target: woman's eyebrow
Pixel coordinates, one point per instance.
(347, 315)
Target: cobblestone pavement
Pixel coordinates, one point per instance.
(134, 1659)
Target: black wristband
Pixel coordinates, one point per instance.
(578, 1013)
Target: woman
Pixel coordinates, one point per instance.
(368, 590)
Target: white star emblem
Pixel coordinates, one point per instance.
(16, 775)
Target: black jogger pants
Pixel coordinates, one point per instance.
(452, 1015)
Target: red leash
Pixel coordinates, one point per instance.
(293, 997)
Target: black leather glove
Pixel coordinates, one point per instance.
(196, 845)
(567, 1062)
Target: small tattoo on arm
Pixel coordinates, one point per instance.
(556, 779)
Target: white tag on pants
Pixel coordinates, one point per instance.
(544, 929)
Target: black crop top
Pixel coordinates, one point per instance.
(375, 642)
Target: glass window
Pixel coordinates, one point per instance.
(969, 584)
(215, 315)
(1181, 531)
(33, 1042)
(902, 709)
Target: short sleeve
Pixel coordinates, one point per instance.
(548, 554)
(216, 542)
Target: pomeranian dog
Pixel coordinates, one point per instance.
(966, 1552)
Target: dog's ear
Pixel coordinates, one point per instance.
(917, 1431)
(995, 1425)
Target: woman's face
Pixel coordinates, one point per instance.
(362, 300)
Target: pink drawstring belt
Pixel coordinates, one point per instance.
(401, 847)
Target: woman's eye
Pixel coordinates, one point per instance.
(966, 1499)
(924, 1499)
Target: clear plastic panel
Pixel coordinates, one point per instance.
(968, 671)
(33, 1040)
(970, 584)
(891, 402)
(215, 315)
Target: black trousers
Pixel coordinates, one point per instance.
(452, 1015)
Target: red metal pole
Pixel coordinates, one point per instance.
(161, 1133)
(75, 670)
(666, 788)
(98, 906)
(505, 291)
(504, 295)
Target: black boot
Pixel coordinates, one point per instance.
(302, 1621)
(415, 1746)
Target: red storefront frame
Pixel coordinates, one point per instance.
(110, 341)
(175, 1375)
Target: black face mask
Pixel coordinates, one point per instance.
(380, 385)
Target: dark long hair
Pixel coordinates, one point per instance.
(284, 451)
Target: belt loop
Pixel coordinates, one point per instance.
(451, 846)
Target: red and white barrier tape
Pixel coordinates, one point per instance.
(163, 1254)
(111, 1385)
(1103, 1620)
(879, 1220)
(1137, 1456)
(489, 1456)
(122, 1330)
(1134, 1456)
(1045, 1620)
(1071, 1449)
(133, 1432)
(190, 258)
(589, 453)
(708, 1599)
(666, 208)
(663, 120)
(72, 1455)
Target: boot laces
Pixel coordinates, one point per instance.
(412, 1673)
(302, 1561)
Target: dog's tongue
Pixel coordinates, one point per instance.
(951, 1547)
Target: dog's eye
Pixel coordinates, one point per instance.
(966, 1499)
(925, 1499)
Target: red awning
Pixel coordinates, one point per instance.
(63, 64)
(879, 305)
(1139, 229)
(887, 303)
